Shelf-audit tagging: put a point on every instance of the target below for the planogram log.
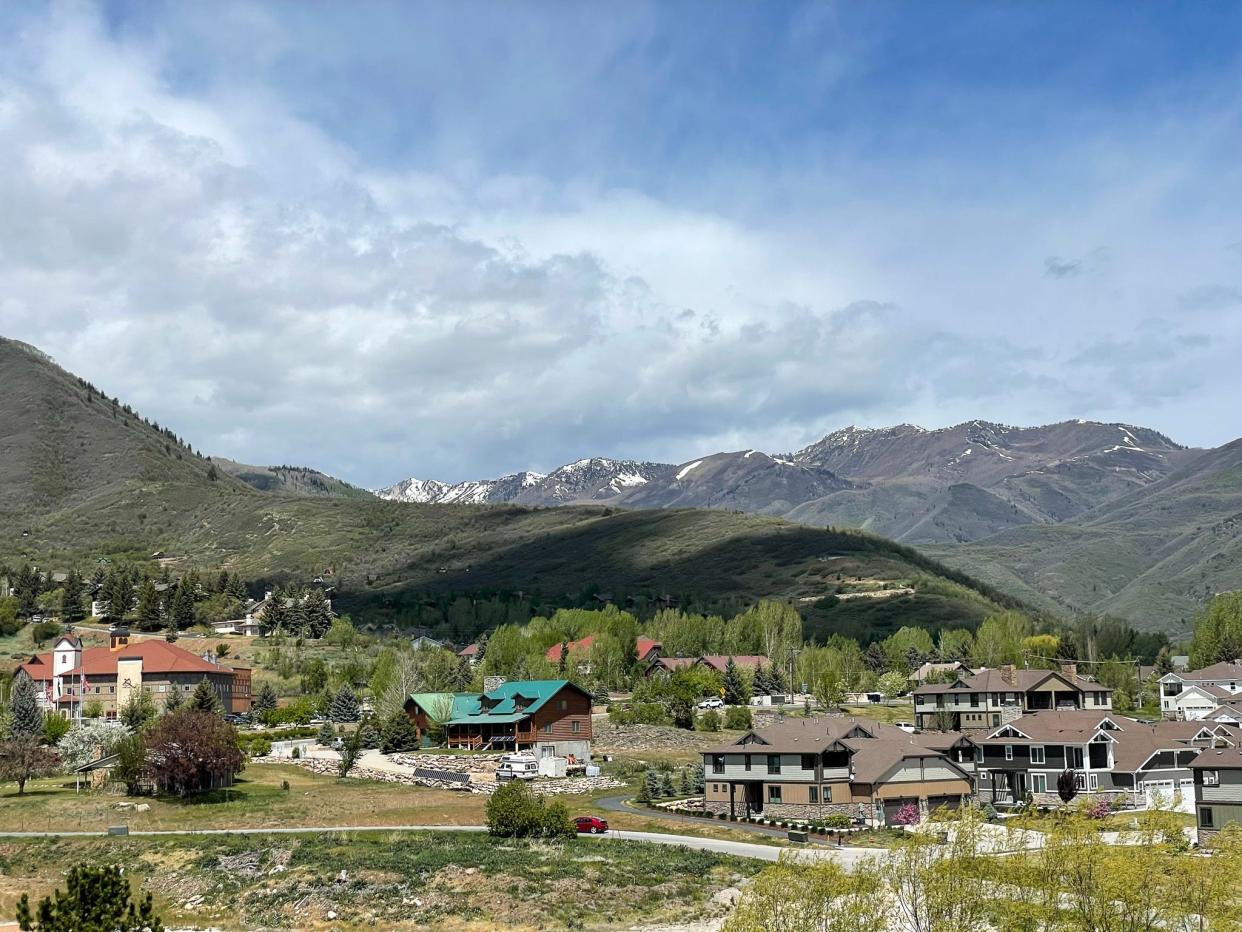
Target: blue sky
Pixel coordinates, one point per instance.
(479, 237)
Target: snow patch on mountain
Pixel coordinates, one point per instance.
(685, 470)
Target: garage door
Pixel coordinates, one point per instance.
(948, 802)
(892, 806)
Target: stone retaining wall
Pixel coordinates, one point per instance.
(808, 811)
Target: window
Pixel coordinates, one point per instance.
(1095, 781)
(1211, 778)
(813, 793)
(575, 726)
(562, 704)
(974, 700)
(1039, 783)
(979, 754)
(774, 763)
(717, 763)
(1037, 753)
(1009, 752)
(1205, 818)
(995, 719)
(774, 794)
(746, 760)
(808, 761)
(1080, 780)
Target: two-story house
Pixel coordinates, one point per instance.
(989, 698)
(1196, 693)
(809, 768)
(1147, 763)
(1218, 790)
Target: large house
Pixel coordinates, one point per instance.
(646, 649)
(549, 717)
(69, 675)
(990, 698)
(1195, 693)
(1218, 790)
(809, 768)
(1109, 755)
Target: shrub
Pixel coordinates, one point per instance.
(260, 747)
(513, 811)
(709, 721)
(1097, 809)
(837, 820)
(55, 727)
(97, 898)
(738, 718)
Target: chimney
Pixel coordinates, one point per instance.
(1069, 668)
(118, 638)
(1009, 673)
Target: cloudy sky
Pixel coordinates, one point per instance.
(454, 240)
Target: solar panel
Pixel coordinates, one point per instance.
(444, 776)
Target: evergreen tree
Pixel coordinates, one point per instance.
(344, 706)
(327, 734)
(206, 699)
(698, 777)
(25, 716)
(563, 662)
(139, 710)
(666, 785)
(734, 687)
(175, 699)
(119, 594)
(601, 698)
(97, 900)
(761, 685)
(27, 588)
(876, 658)
(369, 734)
(149, 616)
(652, 784)
(398, 733)
(683, 784)
(71, 608)
(266, 700)
(237, 588)
(275, 615)
(183, 607)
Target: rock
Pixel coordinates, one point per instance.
(143, 807)
(331, 914)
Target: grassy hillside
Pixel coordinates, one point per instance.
(84, 478)
(291, 480)
(1154, 556)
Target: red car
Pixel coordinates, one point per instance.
(590, 825)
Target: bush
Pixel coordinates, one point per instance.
(837, 820)
(1097, 809)
(709, 721)
(907, 815)
(514, 812)
(639, 713)
(738, 718)
(259, 748)
(55, 727)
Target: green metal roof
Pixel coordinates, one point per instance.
(468, 708)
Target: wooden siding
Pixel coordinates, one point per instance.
(552, 723)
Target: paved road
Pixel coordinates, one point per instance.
(618, 804)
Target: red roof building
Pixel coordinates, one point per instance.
(646, 648)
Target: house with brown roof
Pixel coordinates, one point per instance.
(990, 698)
(1220, 681)
(69, 675)
(646, 649)
(1218, 790)
(930, 671)
(719, 662)
(1144, 763)
(809, 768)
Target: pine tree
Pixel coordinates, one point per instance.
(71, 608)
(644, 789)
(275, 615)
(683, 784)
(344, 706)
(601, 698)
(564, 657)
(149, 616)
(698, 777)
(26, 718)
(119, 591)
(97, 900)
(666, 785)
(266, 700)
(183, 607)
(206, 699)
(398, 733)
(369, 734)
(175, 699)
(761, 685)
(139, 710)
(734, 687)
(327, 734)
(651, 783)
(29, 585)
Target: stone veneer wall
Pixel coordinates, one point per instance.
(809, 811)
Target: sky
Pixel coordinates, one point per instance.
(455, 240)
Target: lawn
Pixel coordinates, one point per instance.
(390, 880)
(901, 712)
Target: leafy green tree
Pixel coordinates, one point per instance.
(131, 761)
(513, 811)
(351, 750)
(96, 899)
(26, 716)
(206, 699)
(55, 727)
(139, 711)
(892, 684)
(1218, 631)
(315, 677)
(43, 632)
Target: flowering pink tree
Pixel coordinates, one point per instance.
(907, 815)
(1098, 809)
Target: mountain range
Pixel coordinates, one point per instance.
(84, 479)
(1074, 516)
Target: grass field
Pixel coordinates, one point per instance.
(390, 880)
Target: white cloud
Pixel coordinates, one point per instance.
(232, 271)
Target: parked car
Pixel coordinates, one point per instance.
(520, 766)
(589, 825)
(712, 703)
(908, 727)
